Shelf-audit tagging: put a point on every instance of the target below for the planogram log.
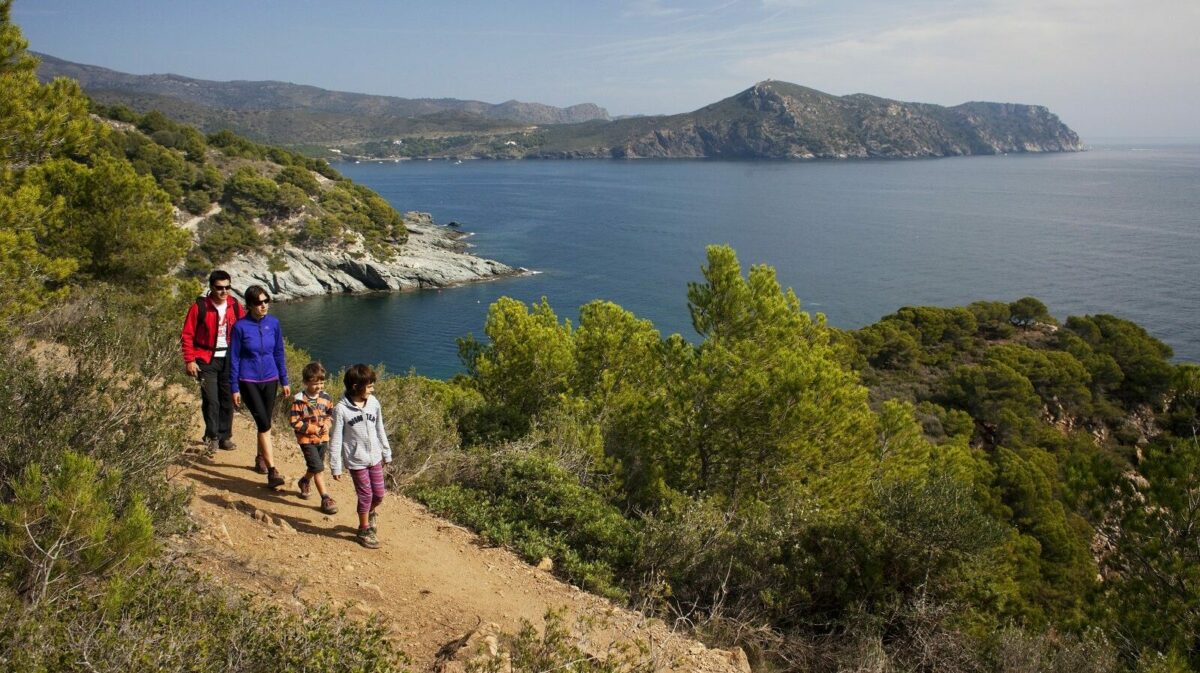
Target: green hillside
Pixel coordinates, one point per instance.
(89, 406)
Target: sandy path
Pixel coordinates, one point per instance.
(432, 581)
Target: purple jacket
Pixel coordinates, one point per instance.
(256, 352)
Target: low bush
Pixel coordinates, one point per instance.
(520, 498)
(101, 382)
(171, 620)
(557, 647)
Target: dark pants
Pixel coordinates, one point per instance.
(260, 401)
(216, 400)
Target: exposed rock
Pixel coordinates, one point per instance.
(545, 564)
(433, 257)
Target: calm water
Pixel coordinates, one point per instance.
(1115, 230)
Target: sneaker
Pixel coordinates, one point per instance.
(367, 538)
(227, 444)
(371, 519)
(328, 506)
(305, 487)
(260, 465)
(274, 479)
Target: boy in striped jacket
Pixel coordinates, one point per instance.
(311, 416)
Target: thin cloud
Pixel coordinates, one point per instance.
(648, 8)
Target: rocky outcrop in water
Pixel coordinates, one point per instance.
(434, 256)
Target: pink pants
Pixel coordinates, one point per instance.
(368, 485)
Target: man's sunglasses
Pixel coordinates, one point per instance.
(221, 288)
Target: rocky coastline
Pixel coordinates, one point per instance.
(435, 256)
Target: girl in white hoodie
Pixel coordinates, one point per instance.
(358, 442)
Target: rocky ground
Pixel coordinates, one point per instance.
(435, 585)
(434, 256)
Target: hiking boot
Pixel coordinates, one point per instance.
(260, 464)
(210, 448)
(305, 487)
(227, 444)
(274, 479)
(366, 537)
(371, 519)
(328, 506)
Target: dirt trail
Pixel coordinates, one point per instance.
(431, 580)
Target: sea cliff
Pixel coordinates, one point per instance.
(434, 256)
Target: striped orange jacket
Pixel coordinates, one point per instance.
(311, 419)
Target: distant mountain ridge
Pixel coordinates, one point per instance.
(266, 96)
(780, 120)
(770, 120)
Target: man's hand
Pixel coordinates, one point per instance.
(287, 391)
(193, 369)
(237, 400)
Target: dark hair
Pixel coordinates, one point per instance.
(218, 274)
(357, 378)
(254, 294)
(313, 371)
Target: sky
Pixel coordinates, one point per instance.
(1110, 69)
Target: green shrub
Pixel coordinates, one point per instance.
(317, 232)
(299, 176)
(102, 388)
(249, 194)
(527, 501)
(60, 527)
(419, 425)
(169, 620)
(197, 202)
(225, 234)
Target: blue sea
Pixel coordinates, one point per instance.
(1112, 230)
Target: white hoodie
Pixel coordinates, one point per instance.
(357, 439)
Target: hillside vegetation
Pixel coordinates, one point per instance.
(948, 489)
(89, 313)
(294, 114)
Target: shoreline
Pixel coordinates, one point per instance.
(434, 257)
(452, 159)
(518, 272)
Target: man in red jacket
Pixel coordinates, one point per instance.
(205, 344)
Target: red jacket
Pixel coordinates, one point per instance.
(198, 338)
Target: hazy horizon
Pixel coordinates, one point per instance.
(1110, 70)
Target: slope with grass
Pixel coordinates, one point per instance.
(290, 223)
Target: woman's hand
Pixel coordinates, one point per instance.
(287, 391)
(237, 400)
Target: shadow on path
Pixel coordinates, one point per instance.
(255, 491)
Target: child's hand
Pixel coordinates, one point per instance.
(337, 477)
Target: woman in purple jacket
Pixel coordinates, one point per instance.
(256, 370)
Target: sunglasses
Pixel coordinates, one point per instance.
(260, 302)
(221, 288)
